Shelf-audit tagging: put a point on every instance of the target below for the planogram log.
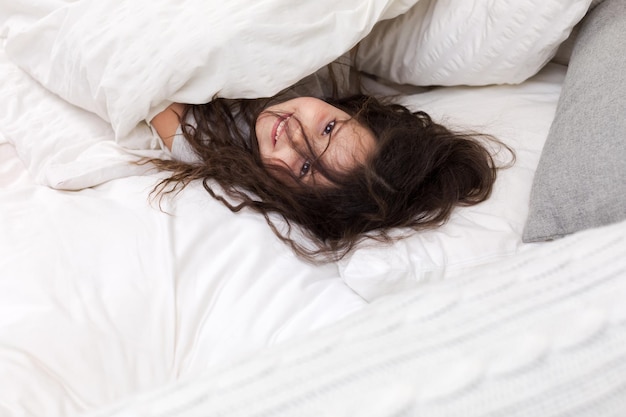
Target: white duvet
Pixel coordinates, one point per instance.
(102, 295)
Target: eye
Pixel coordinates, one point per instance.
(306, 167)
(329, 128)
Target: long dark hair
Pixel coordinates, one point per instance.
(418, 172)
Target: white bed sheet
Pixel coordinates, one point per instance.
(103, 296)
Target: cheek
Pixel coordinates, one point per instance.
(353, 151)
(280, 173)
(260, 131)
(346, 159)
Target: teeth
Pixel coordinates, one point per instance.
(280, 128)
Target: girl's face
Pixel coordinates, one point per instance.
(300, 132)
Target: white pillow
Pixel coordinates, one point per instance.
(519, 115)
(126, 60)
(469, 42)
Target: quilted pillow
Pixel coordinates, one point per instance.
(126, 60)
(581, 179)
(469, 42)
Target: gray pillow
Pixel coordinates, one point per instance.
(580, 182)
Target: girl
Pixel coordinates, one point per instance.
(340, 169)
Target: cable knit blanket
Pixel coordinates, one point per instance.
(541, 334)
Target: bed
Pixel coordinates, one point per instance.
(115, 305)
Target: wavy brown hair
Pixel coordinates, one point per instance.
(418, 172)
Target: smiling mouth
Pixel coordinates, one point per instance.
(279, 127)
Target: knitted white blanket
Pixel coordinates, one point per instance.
(541, 334)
